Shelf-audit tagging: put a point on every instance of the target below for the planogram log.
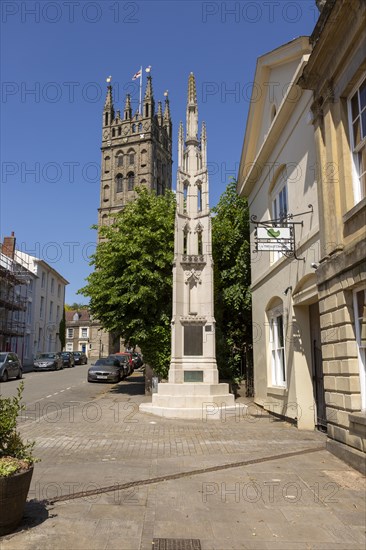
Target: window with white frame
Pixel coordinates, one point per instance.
(52, 285)
(280, 207)
(57, 314)
(83, 332)
(70, 333)
(51, 312)
(359, 306)
(277, 342)
(41, 308)
(59, 291)
(43, 280)
(357, 117)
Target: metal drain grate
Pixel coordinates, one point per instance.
(176, 544)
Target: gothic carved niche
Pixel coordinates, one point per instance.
(199, 228)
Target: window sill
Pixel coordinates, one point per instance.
(354, 211)
(277, 390)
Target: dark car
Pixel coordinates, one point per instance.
(48, 361)
(68, 359)
(105, 370)
(137, 359)
(124, 364)
(131, 365)
(80, 358)
(10, 366)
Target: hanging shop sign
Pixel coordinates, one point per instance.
(278, 235)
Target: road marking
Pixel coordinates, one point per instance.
(68, 388)
(48, 396)
(61, 391)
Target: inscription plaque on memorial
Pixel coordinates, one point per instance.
(193, 376)
(193, 340)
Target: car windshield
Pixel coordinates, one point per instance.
(2, 357)
(107, 361)
(120, 358)
(46, 356)
(65, 354)
(78, 353)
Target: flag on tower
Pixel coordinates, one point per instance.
(137, 75)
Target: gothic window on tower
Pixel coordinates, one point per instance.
(119, 130)
(185, 196)
(131, 181)
(143, 157)
(199, 197)
(131, 157)
(106, 119)
(185, 241)
(199, 243)
(143, 182)
(113, 132)
(106, 193)
(140, 127)
(104, 219)
(119, 160)
(146, 110)
(119, 183)
(107, 164)
(133, 128)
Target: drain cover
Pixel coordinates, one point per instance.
(176, 544)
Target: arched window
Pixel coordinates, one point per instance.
(146, 110)
(277, 341)
(131, 157)
(143, 157)
(113, 132)
(106, 193)
(199, 244)
(199, 196)
(119, 183)
(133, 128)
(185, 240)
(140, 127)
(130, 181)
(119, 160)
(119, 130)
(104, 219)
(143, 182)
(106, 119)
(107, 164)
(185, 196)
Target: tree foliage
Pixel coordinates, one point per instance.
(130, 289)
(75, 306)
(231, 254)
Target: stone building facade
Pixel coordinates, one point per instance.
(337, 78)
(83, 333)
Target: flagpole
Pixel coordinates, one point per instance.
(140, 90)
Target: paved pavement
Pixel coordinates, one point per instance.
(111, 477)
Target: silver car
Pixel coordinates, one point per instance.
(10, 366)
(48, 361)
(105, 370)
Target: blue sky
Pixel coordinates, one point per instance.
(55, 56)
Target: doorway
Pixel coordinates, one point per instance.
(317, 367)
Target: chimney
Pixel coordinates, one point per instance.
(8, 247)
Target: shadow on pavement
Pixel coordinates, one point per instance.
(133, 385)
(35, 513)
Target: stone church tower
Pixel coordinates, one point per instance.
(136, 150)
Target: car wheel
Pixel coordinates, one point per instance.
(20, 375)
(5, 376)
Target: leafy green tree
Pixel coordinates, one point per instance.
(75, 306)
(231, 254)
(130, 289)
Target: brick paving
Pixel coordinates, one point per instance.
(303, 502)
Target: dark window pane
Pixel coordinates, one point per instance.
(354, 105)
(356, 132)
(363, 94)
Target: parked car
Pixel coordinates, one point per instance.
(105, 369)
(124, 364)
(10, 366)
(137, 359)
(80, 358)
(127, 354)
(68, 359)
(48, 361)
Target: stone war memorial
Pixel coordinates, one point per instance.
(193, 389)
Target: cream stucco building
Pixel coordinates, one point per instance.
(277, 174)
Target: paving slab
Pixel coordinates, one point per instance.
(246, 483)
